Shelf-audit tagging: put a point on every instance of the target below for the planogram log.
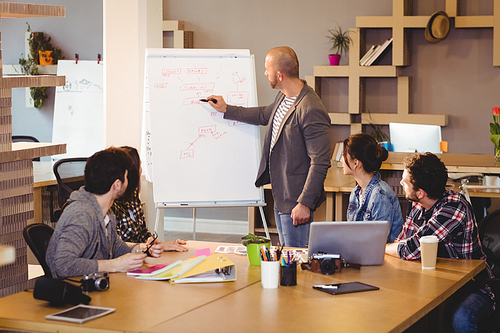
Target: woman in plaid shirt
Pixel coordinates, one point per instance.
(447, 215)
(131, 223)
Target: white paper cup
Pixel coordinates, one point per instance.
(428, 250)
(269, 274)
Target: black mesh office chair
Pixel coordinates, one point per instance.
(37, 236)
(69, 173)
(26, 138)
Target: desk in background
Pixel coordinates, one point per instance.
(338, 186)
(43, 180)
(158, 306)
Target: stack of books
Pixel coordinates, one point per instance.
(374, 53)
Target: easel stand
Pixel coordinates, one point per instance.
(162, 206)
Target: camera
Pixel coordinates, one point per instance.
(96, 281)
(328, 263)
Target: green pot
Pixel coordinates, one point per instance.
(253, 252)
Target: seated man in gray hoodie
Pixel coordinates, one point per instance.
(85, 239)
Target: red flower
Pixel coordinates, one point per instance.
(496, 111)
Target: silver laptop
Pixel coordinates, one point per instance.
(361, 242)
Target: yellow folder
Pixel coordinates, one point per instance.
(177, 270)
(215, 268)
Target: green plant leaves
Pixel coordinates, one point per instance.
(251, 238)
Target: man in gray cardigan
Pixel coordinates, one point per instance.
(85, 239)
(297, 150)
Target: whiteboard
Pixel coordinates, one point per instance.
(195, 157)
(78, 108)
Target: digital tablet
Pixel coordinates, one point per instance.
(80, 313)
(344, 288)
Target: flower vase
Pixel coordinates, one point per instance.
(497, 154)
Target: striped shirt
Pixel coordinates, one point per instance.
(451, 220)
(279, 115)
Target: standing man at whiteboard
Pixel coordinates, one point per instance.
(296, 153)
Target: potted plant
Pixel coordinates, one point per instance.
(254, 243)
(379, 135)
(41, 52)
(340, 44)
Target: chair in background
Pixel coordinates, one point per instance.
(69, 173)
(489, 234)
(26, 138)
(37, 236)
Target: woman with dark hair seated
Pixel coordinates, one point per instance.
(131, 223)
(372, 199)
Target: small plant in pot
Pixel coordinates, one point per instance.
(340, 44)
(254, 244)
(41, 53)
(379, 135)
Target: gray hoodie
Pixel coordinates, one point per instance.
(81, 238)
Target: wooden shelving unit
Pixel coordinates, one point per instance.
(16, 166)
(400, 22)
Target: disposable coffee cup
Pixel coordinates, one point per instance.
(269, 274)
(428, 251)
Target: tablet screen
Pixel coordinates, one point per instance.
(80, 313)
(345, 288)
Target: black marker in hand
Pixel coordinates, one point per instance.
(213, 100)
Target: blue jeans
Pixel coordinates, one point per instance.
(474, 308)
(293, 236)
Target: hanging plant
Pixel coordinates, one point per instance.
(39, 44)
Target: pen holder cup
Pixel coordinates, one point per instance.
(270, 274)
(253, 252)
(288, 275)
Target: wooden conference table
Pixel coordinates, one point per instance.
(406, 294)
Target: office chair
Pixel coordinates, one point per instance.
(37, 236)
(489, 235)
(69, 173)
(26, 138)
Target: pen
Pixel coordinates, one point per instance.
(213, 100)
(268, 255)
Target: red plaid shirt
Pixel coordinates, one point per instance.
(451, 220)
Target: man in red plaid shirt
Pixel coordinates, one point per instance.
(449, 216)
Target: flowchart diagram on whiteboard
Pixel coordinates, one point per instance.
(195, 157)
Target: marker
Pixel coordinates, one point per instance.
(213, 100)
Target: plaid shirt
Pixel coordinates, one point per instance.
(130, 221)
(451, 220)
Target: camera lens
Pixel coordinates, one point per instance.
(328, 267)
(101, 284)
